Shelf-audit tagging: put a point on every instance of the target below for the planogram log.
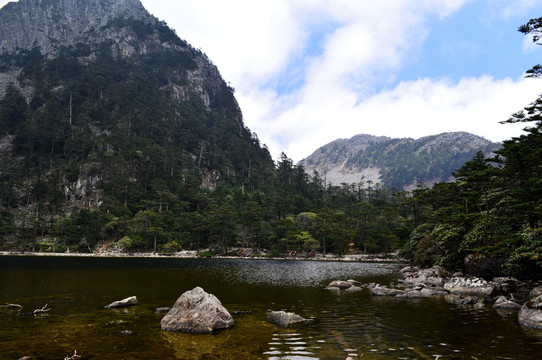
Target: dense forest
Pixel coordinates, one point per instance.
(101, 155)
(494, 208)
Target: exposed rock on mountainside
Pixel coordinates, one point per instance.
(121, 28)
(104, 108)
(51, 25)
(398, 163)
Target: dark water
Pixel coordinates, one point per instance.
(356, 324)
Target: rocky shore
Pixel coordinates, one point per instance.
(504, 293)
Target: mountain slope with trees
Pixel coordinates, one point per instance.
(124, 136)
(104, 110)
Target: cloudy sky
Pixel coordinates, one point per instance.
(307, 72)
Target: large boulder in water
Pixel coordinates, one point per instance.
(197, 312)
(531, 313)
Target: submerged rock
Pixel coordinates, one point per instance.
(423, 293)
(286, 319)
(353, 288)
(504, 303)
(384, 291)
(531, 313)
(197, 312)
(459, 299)
(161, 310)
(131, 301)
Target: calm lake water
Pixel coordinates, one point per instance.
(344, 324)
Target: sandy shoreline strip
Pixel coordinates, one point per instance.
(189, 254)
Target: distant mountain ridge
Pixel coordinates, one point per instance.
(400, 163)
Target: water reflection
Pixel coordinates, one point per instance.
(343, 324)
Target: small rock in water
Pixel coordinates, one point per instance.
(285, 319)
(131, 301)
(339, 284)
(240, 313)
(503, 303)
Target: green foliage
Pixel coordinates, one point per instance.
(122, 150)
(527, 257)
(493, 208)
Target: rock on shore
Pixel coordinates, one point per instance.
(470, 286)
(197, 312)
(434, 277)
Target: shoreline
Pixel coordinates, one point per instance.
(192, 254)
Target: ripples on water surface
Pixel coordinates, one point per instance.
(343, 324)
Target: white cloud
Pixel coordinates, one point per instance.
(360, 49)
(507, 9)
(412, 109)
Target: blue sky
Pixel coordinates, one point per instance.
(473, 41)
(307, 72)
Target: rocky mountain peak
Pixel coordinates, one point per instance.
(400, 163)
(52, 24)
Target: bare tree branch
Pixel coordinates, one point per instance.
(42, 310)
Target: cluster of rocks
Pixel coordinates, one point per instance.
(503, 292)
(198, 312)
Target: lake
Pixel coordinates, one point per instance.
(76, 289)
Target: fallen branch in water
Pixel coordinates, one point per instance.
(74, 357)
(13, 306)
(42, 310)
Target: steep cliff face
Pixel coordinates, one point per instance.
(121, 27)
(399, 163)
(52, 24)
(94, 93)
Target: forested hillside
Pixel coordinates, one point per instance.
(123, 135)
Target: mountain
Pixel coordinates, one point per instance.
(96, 73)
(104, 108)
(395, 163)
